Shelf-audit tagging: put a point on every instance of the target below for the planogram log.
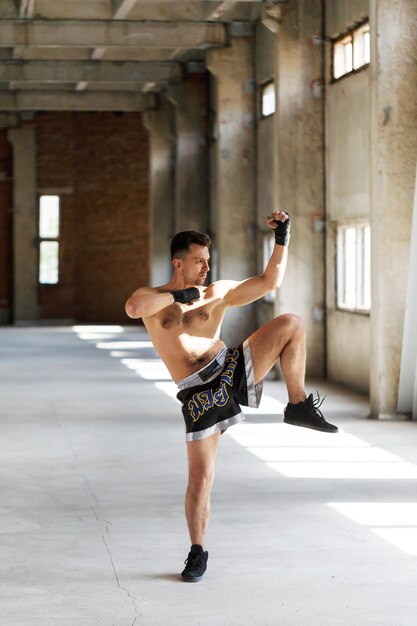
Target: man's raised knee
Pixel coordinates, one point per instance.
(293, 321)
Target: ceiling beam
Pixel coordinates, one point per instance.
(226, 5)
(76, 101)
(117, 3)
(115, 53)
(96, 33)
(26, 8)
(88, 71)
(96, 86)
(122, 8)
(73, 9)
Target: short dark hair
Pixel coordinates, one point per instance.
(182, 241)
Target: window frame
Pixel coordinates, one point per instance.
(56, 239)
(359, 265)
(350, 32)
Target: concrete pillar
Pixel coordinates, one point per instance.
(393, 26)
(191, 172)
(160, 124)
(233, 173)
(25, 224)
(299, 171)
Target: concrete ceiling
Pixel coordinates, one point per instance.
(108, 54)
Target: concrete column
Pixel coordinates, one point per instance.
(160, 124)
(299, 172)
(191, 173)
(25, 224)
(393, 26)
(233, 173)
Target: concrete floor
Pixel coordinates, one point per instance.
(306, 529)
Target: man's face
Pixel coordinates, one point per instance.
(195, 265)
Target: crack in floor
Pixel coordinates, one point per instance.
(132, 598)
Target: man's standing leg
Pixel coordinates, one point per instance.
(201, 465)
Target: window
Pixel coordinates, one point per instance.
(49, 218)
(267, 99)
(268, 248)
(351, 51)
(354, 267)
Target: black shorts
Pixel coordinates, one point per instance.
(211, 397)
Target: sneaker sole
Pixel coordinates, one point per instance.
(192, 579)
(322, 430)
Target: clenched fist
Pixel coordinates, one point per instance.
(186, 295)
(280, 223)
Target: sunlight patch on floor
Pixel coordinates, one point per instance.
(150, 369)
(303, 453)
(395, 522)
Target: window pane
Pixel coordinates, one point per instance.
(338, 61)
(361, 46)
(359, 267)
(48, 262)
(342, 57)
(348, 49)
(367, 46)
(367, 267)
(268, 99)
(354, 267)
(49, 217)
(350, 267)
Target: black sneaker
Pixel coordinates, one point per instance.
(308, 414)
(196, 564)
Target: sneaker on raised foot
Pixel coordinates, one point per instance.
(308, 414)
(196, 564)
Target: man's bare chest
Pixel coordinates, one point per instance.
(195, 318)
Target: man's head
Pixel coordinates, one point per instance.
(190, 256)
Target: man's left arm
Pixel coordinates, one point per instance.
(254, 288)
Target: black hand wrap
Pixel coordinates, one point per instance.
(186, 295)
(282, 232)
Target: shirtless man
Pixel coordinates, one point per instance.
(183, 319)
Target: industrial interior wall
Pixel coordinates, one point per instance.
(348, 197)
(98, 164)
(6, 252)
(299, 175)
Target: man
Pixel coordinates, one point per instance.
(183, 319)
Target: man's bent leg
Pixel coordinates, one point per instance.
(201, 464)
(283, 337)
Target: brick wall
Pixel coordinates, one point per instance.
(98, 162)
(6, 248)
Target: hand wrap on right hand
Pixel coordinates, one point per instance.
(282, 232)
(186, 295)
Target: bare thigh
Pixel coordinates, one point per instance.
(202, 457)
(269, 341)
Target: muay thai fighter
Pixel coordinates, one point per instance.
(183, 319)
